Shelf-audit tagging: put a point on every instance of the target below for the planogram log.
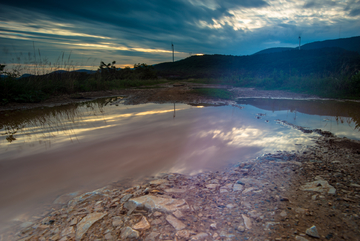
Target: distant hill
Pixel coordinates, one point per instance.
(85, 71)
(350, 44)
(274, 50)
(319, 62)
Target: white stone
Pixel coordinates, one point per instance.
(158, 181)
(178, 214)
(154, 203)
(247, 221)
(199, 236)
(212, 186)
(223, 190)
(68, 231)
(238, 187)
(142, 225)
(83, 226)
(230, 206)
(248, 190)
(183, 234)
(175, 190)
(117, 221)
(319, 186)
(177, 224)
(300, 238)
(129, 233)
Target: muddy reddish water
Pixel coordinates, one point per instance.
(48, 152)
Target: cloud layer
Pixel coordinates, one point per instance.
(142, 31)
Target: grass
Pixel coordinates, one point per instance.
(214, 93)
(44, 82)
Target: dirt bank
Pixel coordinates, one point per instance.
(179, 92)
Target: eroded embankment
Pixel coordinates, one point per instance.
(281, 196)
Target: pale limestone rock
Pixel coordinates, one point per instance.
(283, 213)
(213, 226)
(87, 197)
(129, 233)
(126, 198)
(300, 238)
(247, 221)
(153, 236)
(142, 225)
(74, 221)
(223, 190)
(178, 214)
(238, 187)
(175, 190)
(199, 236)
(163, 204)
(183, 234)
(248, 190)
(177, 224)
(157, 214)
(319, 186)
(63, 199)
(83, 226)
(212, 186)
(268, 224)
(68, 231)
(249, 181)
(156, 221)
(240, 228)
(158, 181)
(230, 206)
(117, 221)
(312, 232)
(108, 236)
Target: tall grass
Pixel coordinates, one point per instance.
(48, 79)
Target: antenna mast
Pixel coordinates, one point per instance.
(172, 46)
(299, 42)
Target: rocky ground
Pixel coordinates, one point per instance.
(312, 194)
(307, 195)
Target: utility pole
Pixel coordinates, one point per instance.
(299, 42)
(172, 46)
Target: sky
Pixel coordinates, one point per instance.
(80, 34)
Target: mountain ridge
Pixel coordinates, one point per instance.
(350, 44)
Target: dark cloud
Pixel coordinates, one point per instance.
(319, 4)
(192, 25)
(355, 12)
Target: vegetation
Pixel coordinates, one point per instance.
(214, 93)
(328, 72)
(36, 88)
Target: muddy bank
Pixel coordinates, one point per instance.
(306, 195)
(164, 93)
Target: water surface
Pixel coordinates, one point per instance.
(47, 152)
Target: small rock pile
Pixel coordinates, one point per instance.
(313, 194)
